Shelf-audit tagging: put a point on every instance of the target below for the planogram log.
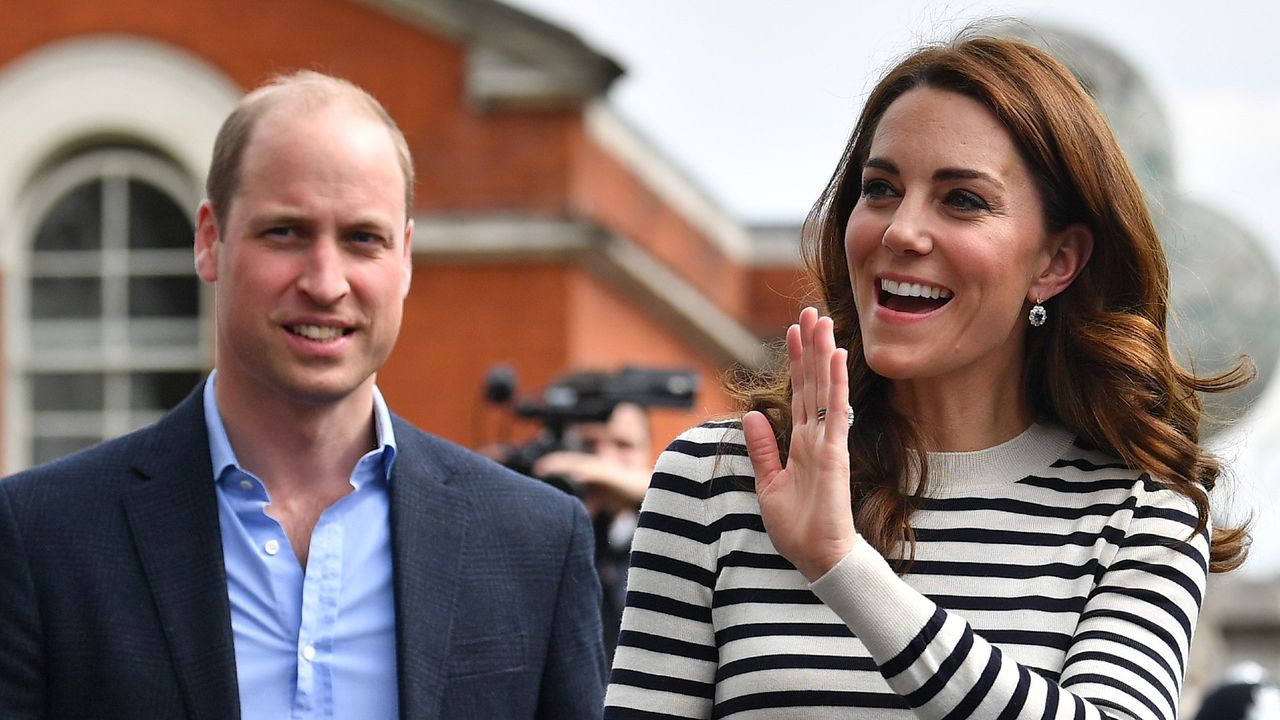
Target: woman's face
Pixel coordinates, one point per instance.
(945, 243)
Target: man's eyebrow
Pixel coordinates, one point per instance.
(370, 223)
(278, 216)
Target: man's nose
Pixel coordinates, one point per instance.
(324, 272)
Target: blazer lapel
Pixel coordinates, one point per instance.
(173, 515)
(429, 515)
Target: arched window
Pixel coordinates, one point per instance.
(113, 334)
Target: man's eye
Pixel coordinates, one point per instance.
(279, 231)
(366, 238)
(965, 200)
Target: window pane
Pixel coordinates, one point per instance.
(147, 334)
(81, 336)
(44, 449)
(164, 296)
(155, 221)
(65, 298)
(66, 391)
(74, 222)
(160, 390)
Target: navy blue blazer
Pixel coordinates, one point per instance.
(113, 596)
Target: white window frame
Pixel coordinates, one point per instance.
(112, 351)
(72, 94)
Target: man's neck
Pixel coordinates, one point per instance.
(295, 447)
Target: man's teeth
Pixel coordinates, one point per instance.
(317, 332)
(905, 289)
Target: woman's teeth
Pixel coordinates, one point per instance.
(905, 289)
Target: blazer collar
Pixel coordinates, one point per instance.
(173, 515)
(429, 516)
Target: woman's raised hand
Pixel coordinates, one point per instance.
(806, 504)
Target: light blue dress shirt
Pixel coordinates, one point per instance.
(319, 644)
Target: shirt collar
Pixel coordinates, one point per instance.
(224, 457)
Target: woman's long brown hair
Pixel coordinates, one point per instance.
(1102, 367)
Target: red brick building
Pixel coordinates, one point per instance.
(549, 235)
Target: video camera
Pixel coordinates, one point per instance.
(581, 397)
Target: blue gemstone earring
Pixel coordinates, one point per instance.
(1037, 316)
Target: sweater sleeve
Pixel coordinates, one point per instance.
(1126, 660)
(665, 662)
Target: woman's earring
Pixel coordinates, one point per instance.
(1037, 315)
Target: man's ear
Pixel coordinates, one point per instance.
(207, 243)
(408, 257)
(1071, 248)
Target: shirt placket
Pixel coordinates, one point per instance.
(320, 593)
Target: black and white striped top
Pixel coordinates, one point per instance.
(1050, 581)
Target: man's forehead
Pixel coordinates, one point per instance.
(291, 116)
(283, 140)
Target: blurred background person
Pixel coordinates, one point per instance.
(594, 441)
(612, 470)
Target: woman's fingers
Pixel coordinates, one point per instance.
(805, 366)
(837, 421)
(824, 344)
(810, 345)
(809, 362)
(762, 448)
(796, 359)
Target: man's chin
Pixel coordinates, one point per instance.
(320, 390)
(320, 395)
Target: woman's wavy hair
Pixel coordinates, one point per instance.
(1101, 367)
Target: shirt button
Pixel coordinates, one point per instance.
(272, 547)
(309, 652)
(246, 484)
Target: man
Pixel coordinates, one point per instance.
(615, 461)
(613, 470)
(280, 545)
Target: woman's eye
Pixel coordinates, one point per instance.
(876, 188)
(965, 200)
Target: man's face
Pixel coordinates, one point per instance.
(624, 439)
(313, 264)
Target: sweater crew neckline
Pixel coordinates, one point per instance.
(1030, 452)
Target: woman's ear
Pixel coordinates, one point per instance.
(1071, 248)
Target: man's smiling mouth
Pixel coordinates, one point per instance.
(319, 333)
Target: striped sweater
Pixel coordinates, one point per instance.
(1050, 581)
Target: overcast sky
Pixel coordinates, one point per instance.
(754, 100)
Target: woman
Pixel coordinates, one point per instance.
(1029, 534)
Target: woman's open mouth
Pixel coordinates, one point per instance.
(914, 298)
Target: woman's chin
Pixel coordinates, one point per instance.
(894, 368)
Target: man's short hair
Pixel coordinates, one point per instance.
(311, 91)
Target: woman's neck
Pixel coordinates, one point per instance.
(953, 417)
